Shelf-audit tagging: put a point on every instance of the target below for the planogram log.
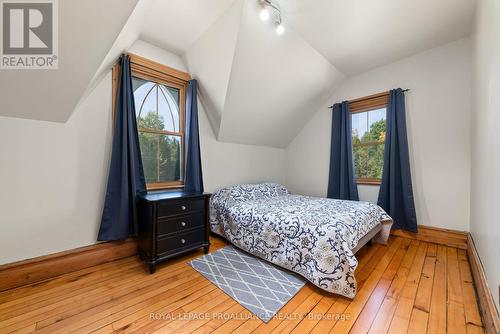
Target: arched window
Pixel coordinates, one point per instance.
(159, 98)
(157, 103)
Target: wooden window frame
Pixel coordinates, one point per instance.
(149, 70)
(365, 104)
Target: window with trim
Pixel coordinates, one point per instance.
(159, 96)
(368, 119)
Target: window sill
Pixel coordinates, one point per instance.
(160, 187)
(368, 182)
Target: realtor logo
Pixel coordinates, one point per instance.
(29, 34)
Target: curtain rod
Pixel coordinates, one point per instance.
(404, 90)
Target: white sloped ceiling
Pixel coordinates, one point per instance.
(257, 87)
(128, 35)
(276, 83)
(87, 30)
(210, 60)
(356, 36)
(175, 25)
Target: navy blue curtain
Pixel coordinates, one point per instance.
(396, 193)
(194, 177)
(342, 183)
(126, 176)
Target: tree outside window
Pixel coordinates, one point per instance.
(368, 141)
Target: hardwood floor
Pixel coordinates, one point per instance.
(408, 286)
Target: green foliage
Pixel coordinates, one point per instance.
(369, 159)
(151, 121)
(161, 154)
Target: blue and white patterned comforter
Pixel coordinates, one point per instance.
(308, 235)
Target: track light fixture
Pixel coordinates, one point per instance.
(280, 29)
(265, 14)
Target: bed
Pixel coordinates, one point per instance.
(311, 236)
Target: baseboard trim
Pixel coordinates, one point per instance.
(487, 307)
(436, 235)
(38, 269)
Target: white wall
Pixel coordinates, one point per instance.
(438, 121)
(485, 215)
(53, 179)
(227, 164)
(53, 175)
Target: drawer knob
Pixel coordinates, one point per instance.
(183, 224)
(183, 208)
(183, 241)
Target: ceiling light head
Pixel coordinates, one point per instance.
(264, 14)
(266, 6)
(280, 29)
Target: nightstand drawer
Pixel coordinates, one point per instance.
(181, 223)
(169, 208)
(179, 241)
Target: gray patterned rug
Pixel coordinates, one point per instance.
(256, 284)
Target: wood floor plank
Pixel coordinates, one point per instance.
(432, 250)
(208, 324)
(177, 267)
(454, 286)
(402, 314)
(455, 318)
(455, 307)
(66, 307)
(336, 313)
(418, 322)
(424, 290)
(214, 323)
(107, 310)
(159, 314)
(462, 255)
(473, 329)
(408, 286)
(251, 324)
(472, 315)
(437, 315)
(370, 309)
(231, 325)
(300, 312)
(98, 297)
(60, 298)
(86, 278)
(367, 316)
(308, 323)
(383, 317)
(175, 295)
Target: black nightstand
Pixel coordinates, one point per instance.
(172, 223)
